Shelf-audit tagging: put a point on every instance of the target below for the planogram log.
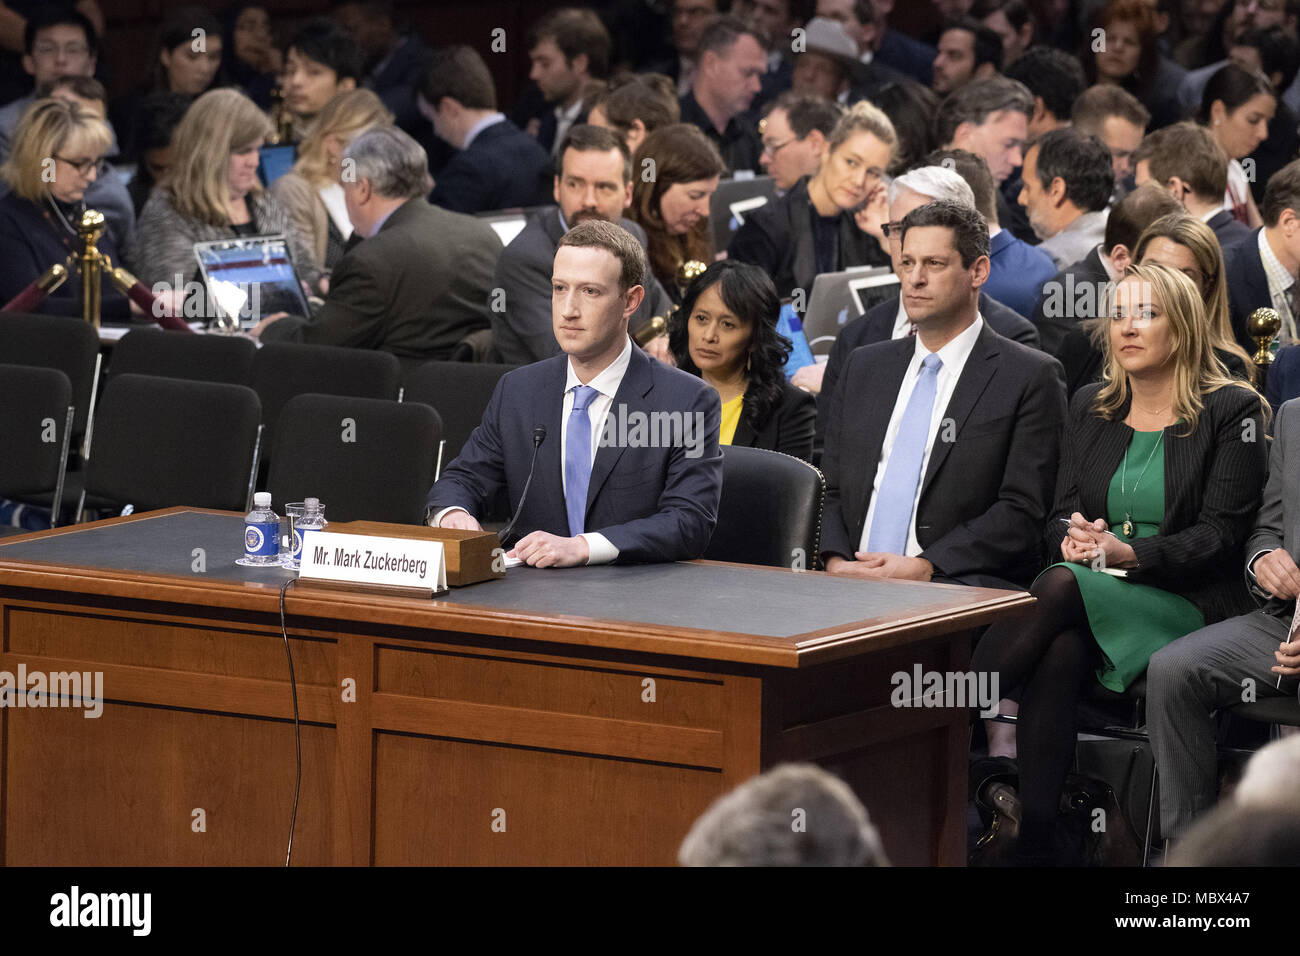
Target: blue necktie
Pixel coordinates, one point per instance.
(893, 514)
(577, 458)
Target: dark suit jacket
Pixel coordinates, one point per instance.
(1277, 524)
(1247, 286)
(1283, 381)
(789, 426)
(504, 167)
(653, 504)
(1227, 229)
(878, 326)
(523, 332)
(779, 239)
(985, 493)
(1214, 480)
(396, 77)
(1073, 295)
(415, 288)
(908, 54)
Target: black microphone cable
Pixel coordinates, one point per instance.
(539, 436)
(297, 727)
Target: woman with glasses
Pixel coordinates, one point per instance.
(56, 155)
(831, 220)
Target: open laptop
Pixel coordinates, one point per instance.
(732, 201)
(250, 278)
(840, 297)
(274, 162)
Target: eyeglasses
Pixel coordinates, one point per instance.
(773, 148)
(53, 49)
(82, 166)
(892, 229)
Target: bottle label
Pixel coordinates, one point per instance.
(297, 543)
(259, 539)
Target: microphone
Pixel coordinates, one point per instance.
(539, 436)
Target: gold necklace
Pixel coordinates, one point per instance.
(1123, 475)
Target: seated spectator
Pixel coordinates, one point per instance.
(968, 51)
(320, 62)
(496, 165)
(974, 516)
(569, 51)
(795, 132)
(39, 212)
(212, 192)
(1236, 108)
(1067, 185)
(725, 332)
(1131, 58)
(1271, 50)
(752, 825)
(1236, 835)
(153, 142)
(1011, 20)
(732, 61)
(869, 74)
(417, 284)
(1186, 160)
(991, 119)
(689, 20)
(1156, 480)
(1078, 293)
(58, 41)
(673, 205)
(1262, 268)
(1276, 54)
(911, 108)
(1117, 119)
(1054, 79)
(776, 22)
(879, 42)
(594, 182)
(395, 57)
(635, 106)
(252, 61)
(1017, 270)
(828, 64)
(312, 191)
(829, 221)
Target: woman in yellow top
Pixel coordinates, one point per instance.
(725, 332)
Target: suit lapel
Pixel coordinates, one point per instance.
(975, 377)
(550, 457)
(630, 397)
(745, 435)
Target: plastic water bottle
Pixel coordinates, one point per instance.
(313, 519)
(261, 531)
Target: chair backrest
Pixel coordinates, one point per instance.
(282, 370)
(199, 358)
(56, 341)
(161, 442)
(460, 392)
(35, 429)
(364, 458)
(771, 510)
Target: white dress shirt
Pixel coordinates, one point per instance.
(1279, 289)
(564, 120)
(332, 197)
(953, 356)
(902, 324)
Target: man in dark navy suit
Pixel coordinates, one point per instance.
(1189, 162)
(627, 461)
(1262, 268)
(498, 165)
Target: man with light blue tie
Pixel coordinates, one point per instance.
(941, 448)
(631, 471)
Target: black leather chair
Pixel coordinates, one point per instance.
(35, 430)
(161, 442)
(199, 358)
(459, 392)
(56, 341)
(771, 510)
(364, 458)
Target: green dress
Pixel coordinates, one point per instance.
(1132, 621)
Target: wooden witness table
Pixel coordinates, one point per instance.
(584, 716)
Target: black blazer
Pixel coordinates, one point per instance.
(789, 426)
(1214, 482)
(504, 167)
(1247, 286)
(985, 492)
(877, 325)
(1227, 228)
(1073, 295)
(778, 238)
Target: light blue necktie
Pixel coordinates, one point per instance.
(577, 458)
(893, 514)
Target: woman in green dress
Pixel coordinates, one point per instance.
(1163, 465)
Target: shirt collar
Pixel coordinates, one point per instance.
(608, 380)
(490, 120)
(1206, 217)
(380, 224)
(569, 115)
(1279, 280)
(1111, 274)
(955, 353)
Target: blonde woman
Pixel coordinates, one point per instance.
(312, 191)
(1162, 470)
(56, 154)
(833, 219)
(211, 191)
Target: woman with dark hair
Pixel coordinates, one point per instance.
(1130, 58)
(252, 62)
(910, 108)
(675, 172)
(1236, 108)
(725, 332)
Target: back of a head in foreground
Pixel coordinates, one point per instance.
(1236, 835)
(793, 815)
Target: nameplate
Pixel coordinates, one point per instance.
(373, 562)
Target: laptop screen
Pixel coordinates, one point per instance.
(251, 278)
(274, 162)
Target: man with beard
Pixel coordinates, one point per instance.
(594, 182)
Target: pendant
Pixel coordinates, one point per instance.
(1127, 528)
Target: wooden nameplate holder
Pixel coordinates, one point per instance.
(469, 554)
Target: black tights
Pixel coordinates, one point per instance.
(1051, 654)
